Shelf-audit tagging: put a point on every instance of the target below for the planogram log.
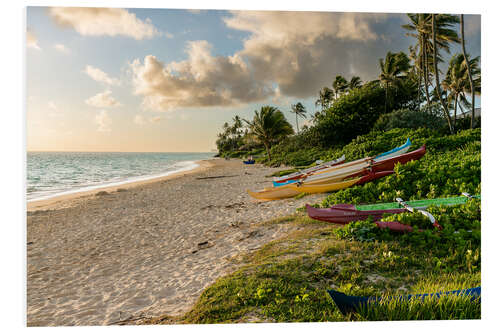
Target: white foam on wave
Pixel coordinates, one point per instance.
(178, 168)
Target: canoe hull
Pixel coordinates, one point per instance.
(274, 193)
(345, 215)
(347, 303)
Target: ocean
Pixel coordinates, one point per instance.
(51, 174)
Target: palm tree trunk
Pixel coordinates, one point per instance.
(455, 112)
(297, 121)
(426, 74)
(268, 151)
(436, 73)
(468, 70)
(419, 86)
(386, 88)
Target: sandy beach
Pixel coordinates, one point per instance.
(145, 249)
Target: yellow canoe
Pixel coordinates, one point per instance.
(275, 193)
(305, 188)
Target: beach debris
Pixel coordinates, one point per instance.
(29, 243)
(204, 245)
(101, 193)
(121, 189)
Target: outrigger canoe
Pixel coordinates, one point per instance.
(329, 187)
(360, 169)
(346, 213)
(353, 166)
(291, 190)
(347, 303)
(298, 174)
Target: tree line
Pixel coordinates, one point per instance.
(410, 80)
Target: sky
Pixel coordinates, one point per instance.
(111, 79)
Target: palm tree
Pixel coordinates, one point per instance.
(420, 27)
(355, 83)
(393, 70)
(339, 85)
(457, 81)
(268, 126)
(469, 74)
(299, 110)
(436, 73)
(325, 98)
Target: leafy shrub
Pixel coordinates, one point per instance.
(435, 176)
(405, 118)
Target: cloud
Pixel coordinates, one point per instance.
(103, 121)
(201, 80)
(100, 76)
(103, 100)
(287, 54)
(61, 48)
(103, 22)
(31, 40)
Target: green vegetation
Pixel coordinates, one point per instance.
(286, 280)
(349, 109)
(451, 165)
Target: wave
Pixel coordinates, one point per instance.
(177, 167)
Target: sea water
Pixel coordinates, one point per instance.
(51, 174)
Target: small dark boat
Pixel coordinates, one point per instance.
(347, 303)
(249, 162)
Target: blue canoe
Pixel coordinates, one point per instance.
(347, 303)
(405, 147)
(249, 162)
(388, 154)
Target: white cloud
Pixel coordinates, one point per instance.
(32, 41)
(103, 121)
(103, 22)
(61, 48)
(103, 100)
(100, 76)
(201, 80)
(288, 54)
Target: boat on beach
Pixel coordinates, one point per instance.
(346, 213)
(347, 303)
(296, 175)
(350, 169)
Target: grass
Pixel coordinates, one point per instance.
(286, 280)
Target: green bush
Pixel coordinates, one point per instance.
(405, 118)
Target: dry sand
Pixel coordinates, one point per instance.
(148, 249)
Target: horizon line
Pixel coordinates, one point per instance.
(112, 151)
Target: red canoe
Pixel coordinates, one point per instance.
(374, 175)
(389, 164)
(405, 158)
(345, 213)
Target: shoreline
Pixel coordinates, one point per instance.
(148, 250)
(59, 200)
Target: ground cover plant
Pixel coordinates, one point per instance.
(286, 280)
